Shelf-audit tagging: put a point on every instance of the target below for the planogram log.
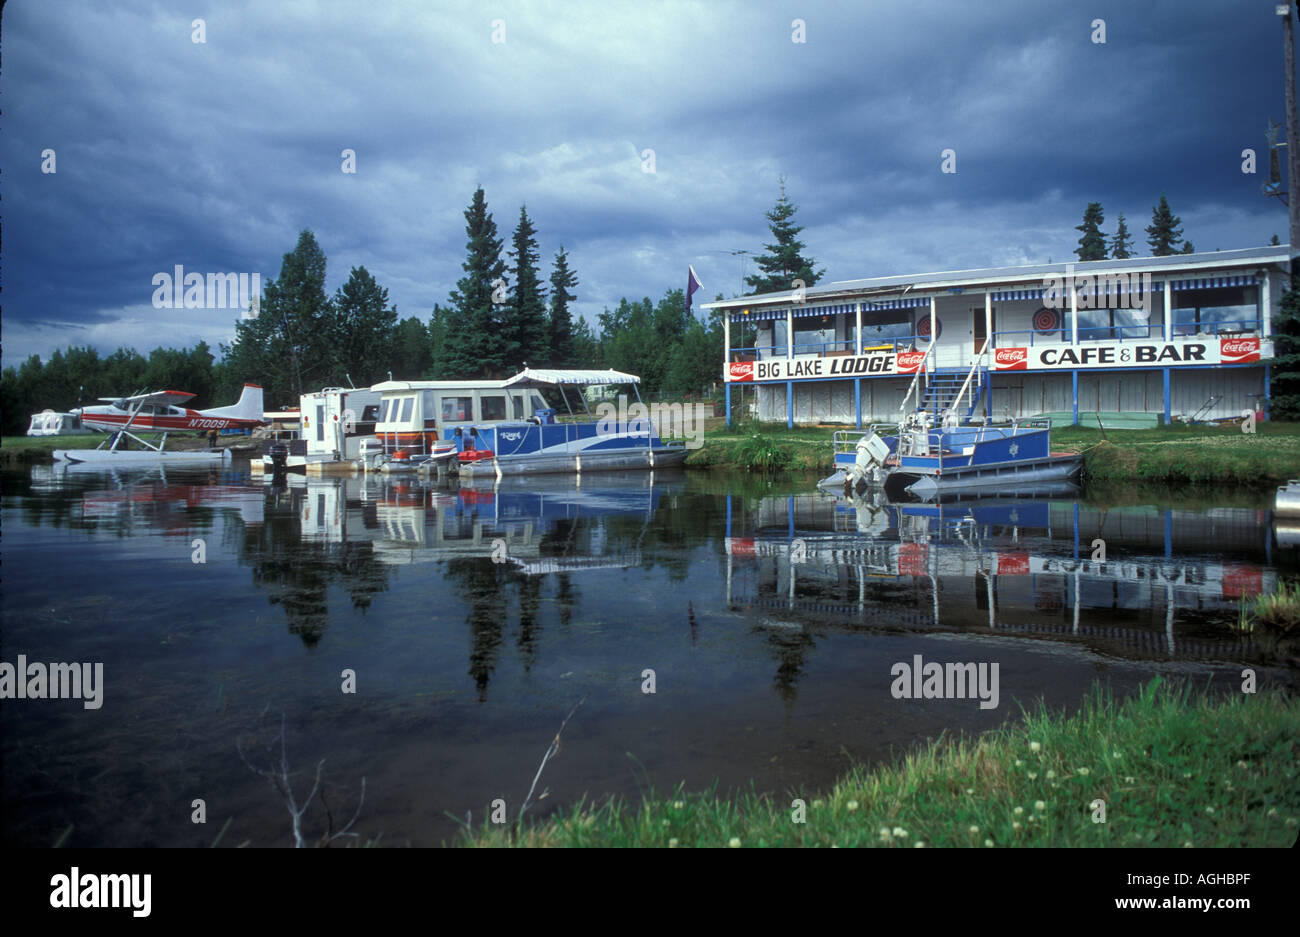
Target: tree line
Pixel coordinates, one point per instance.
(1164, 234)
(501, 316)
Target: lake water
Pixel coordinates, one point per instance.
(474, 619)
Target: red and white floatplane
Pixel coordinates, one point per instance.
(160, 412)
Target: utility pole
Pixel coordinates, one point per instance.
(1287, 12)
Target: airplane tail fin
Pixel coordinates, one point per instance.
(249, 406)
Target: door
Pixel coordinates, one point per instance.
(979, 329)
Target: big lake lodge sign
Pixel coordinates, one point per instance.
(1116, 354)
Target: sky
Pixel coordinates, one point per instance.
(641, 137)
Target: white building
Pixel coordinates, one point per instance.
(1162, 336)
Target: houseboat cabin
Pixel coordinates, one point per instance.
(510, 427)
(333, 423)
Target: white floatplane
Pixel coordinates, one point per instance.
(160, 412)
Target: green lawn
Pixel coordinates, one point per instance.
(1169, 767)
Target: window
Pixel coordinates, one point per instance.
(812, 341)
(383, 410)
(407, 404)
(320, 422)
(492, 406)
(879, 331)
(456, 409)
(1230, 309)
(518, 401)
(539, 402)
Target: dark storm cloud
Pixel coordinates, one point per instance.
(215, 155)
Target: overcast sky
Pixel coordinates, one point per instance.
(214, 155)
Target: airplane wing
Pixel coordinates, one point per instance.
(165, 397)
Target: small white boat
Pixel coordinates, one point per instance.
(54, 423)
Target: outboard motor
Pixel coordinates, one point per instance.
(868, 464)
(279, 454)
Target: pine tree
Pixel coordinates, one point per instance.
(783, 263)
(1188, 248)
(526, 329)
(1121, 245)
(474, 344)
(363, 329)
(438, 325)
(1164, 234)
(1284, 370)
(1275, 242)
(288, 347)
(563, 350)
(1092, 246)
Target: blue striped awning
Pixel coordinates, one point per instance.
(758, 315)
(907, 302)
(1211, 283)
(1007, 296)
(801, 312)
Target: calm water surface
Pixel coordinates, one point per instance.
(475, 618)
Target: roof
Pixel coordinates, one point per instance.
(389, 387)
(949, 279)
(536, 377)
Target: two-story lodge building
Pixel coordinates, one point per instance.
(1178, 336)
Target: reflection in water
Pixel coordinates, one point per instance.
(475, 617)
(1121, 580)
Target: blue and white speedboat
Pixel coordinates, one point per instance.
(929, 463)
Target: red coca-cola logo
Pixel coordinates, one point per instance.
(1238, 350)
(1011, 359)
(909, 361)
(742, 370)
(1013, 564)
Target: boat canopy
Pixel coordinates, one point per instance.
(544, 377)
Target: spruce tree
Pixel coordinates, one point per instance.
(1121, 245)
(527, 332)
(474, 346)
(1092, 246)
(1275, 242)
(363, 329)
(1284, 369)
(784, 262)
(563, 351)
(288, 346)
(1164, 234)
(1188, 248)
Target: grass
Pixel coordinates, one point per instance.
(16, 450)
(1172, 767)
(1198, 455)
(1277, 611)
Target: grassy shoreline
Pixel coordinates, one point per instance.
(1174, 454)
(1172, 766)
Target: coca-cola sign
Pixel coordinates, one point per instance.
(742, 370)
(1238, 350)
(909, 361)
(1011, 359)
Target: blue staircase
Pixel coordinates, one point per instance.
(944, 385)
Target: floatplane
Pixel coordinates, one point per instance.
(159, 412)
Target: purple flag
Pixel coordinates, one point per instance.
(692, 284)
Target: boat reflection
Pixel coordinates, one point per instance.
(538, 525)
